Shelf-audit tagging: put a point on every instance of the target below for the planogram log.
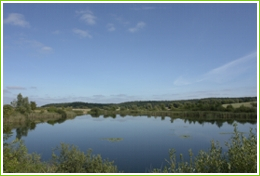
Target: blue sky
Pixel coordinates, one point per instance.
(111, 53)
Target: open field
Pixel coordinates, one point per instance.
(237, 105)
(85, 111)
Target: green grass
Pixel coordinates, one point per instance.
(237, 105)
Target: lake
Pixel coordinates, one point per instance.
(137, 144)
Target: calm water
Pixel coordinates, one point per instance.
(143, 142)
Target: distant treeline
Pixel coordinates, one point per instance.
(206, 104)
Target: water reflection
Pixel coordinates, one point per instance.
(22, 129)
(133, 142)
(59, 121)
(218, 122)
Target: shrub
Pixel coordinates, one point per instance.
(16, 159)
(8, 110)
(72, 160)
(241, 157)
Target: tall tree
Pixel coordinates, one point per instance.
(33, 105)
(22, 104)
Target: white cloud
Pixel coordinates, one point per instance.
(46, 49)
(222, 74)
(138, 27)
(120, 20)
(56, 32)
(87, 16)
(6, 91)
(180, 81)
(16, 19)
(111, 27)
(82, 33)
(230, 70)
(15, 88)
(40, 47)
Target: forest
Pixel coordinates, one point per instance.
(206, 104)
(245, 108)
(240, 157)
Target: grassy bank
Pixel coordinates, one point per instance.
(39, 116)
(246, 104)
(179, 114)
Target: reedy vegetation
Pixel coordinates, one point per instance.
(21, 110)
(241, 157)
(69, 160)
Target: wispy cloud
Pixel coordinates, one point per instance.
(111, 27)
(120, 20)
(15, 88)
(180, 81)
(16, 19)
(99, 96)
(46, 49)
(42, 48)
(6, 91)
(82, 33)
(138, 27)
(87, 16)
(56, 32)
(222, 74)
(230, 70)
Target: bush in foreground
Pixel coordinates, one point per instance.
(241, 157)
(70, 160)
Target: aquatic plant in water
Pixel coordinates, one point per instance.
(185, 136)
(112, 139)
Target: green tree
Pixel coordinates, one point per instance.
(229, 108)
(33, 105)
(72, 160)
(149, 106)
(241, 157)
(8, 110)
(22, 104)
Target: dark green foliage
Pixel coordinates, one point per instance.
(243, 108)
(8, 110)
(230, 108)
(72, 160)
(33, 105)
(241, 157)
(57, 110)
(95, 112)
(22, 104)
(242, 153)
(17, 160)
(207, 104)
(254, 104)
(62, 112)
